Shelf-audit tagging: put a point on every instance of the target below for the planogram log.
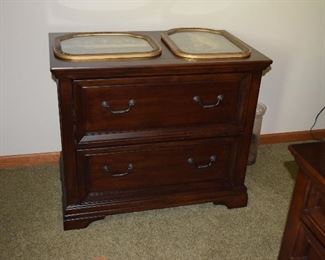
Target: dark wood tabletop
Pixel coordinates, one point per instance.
(166, 63)
(311, 156)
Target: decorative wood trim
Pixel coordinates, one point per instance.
(28, 159)
(291, 136)
(47, 158)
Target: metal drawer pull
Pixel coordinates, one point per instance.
(106, 105)
(191, 161)
(197, 99)
(107, 169)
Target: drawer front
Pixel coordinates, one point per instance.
(313, 214)
(154, 165)
(121, 105)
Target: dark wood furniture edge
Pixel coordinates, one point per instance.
(305, 220)
(293, 224)
(317, 246)
(306, 167)
(232, 199)
(313, 223)
(78, 223)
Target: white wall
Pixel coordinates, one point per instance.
(292, 33)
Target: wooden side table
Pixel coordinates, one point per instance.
(304, 235)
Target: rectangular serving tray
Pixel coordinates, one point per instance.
(104, 45)
(203, 43)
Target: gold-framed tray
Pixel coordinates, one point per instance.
(203, 43)
(104, 45)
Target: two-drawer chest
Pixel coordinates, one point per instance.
(148, 133)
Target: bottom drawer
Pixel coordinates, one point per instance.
(137, 167)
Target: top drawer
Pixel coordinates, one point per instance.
(150, 103)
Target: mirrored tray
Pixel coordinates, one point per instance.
(104, 45)
(202, 43)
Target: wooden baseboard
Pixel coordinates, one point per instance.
(48, 158)
(292, 136)
(28, 159)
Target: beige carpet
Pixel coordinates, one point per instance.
(31, 220)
